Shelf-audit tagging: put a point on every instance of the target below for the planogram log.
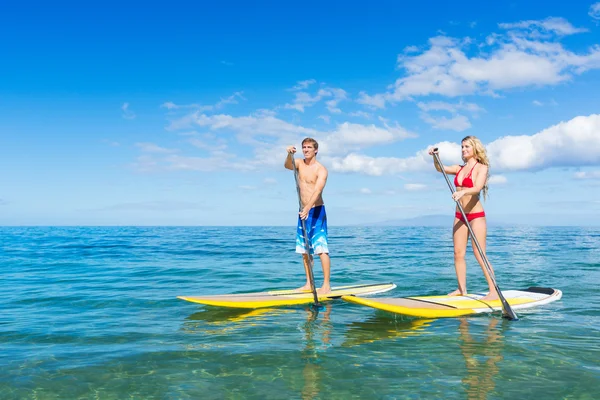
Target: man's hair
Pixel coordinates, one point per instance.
(311, 141)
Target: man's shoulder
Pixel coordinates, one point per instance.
(320, 166)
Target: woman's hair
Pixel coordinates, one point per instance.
(481, 156)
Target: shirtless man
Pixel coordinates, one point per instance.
(312, 177)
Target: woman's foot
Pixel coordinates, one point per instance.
(490, 296)
(324, 290)
(457, 292)
(305, 288)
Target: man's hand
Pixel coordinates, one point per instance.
(291, 149)
(304, 213)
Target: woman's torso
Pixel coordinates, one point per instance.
(465, 179)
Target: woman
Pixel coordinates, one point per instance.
(470, 180)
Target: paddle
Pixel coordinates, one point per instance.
(306, 241)
(508, 311)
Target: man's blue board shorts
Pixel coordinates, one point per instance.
(316, 229)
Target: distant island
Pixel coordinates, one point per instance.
(494, 220)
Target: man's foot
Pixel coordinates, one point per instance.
(457, 292)
(305, 288)
(490, 296)
(324, 290)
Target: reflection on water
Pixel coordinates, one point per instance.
(381, 327)
(222, 327)
(317, 339)
(482, 356)
(220, 316)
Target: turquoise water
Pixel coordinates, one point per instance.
(92, 313)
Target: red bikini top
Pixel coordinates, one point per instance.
(467, 181)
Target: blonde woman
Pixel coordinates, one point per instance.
(471, 180)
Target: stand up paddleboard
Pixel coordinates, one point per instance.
(456, 306)
(280, 298)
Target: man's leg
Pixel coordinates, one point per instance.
(306, 267)
(326, 263)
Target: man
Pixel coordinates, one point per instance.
(312, 177)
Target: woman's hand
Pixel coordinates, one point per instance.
(456, 196)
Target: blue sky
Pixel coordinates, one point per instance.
(179, 114)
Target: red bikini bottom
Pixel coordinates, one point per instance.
(470, 216)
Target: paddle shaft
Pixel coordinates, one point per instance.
(508, 311)
(311, 277)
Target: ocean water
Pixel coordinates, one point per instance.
(92, 313)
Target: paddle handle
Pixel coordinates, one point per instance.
(508, 311)
(307, 246)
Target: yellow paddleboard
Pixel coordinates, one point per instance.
(456, 306)
(285, 297)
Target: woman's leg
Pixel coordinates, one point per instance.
(479, 227)
(460, 236)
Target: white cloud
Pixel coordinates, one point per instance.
(304, 99)
(498, 179)
(538, 103)
(346, 135)
(204, 164)
(263, 112)
(300, 85)
(512, 59)
(558, 26)
(376, 101)
(450, 107)
(361, 114)
(233, 99)
(270, 181)
(572, 143)
(153, 148)
(567, 144)
(367, 165)
(338, 95)
(349, 136)
(457, 123)
(587, 175)
(325, 118)
(127, 113)
(595, 11)
(413, 187)
(217, 146)
(258, 125)
(247, 187)
(269, 135)
(365, 191)
(376, 166)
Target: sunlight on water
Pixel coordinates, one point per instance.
(93, 313)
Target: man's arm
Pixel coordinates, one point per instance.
(289, 160)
